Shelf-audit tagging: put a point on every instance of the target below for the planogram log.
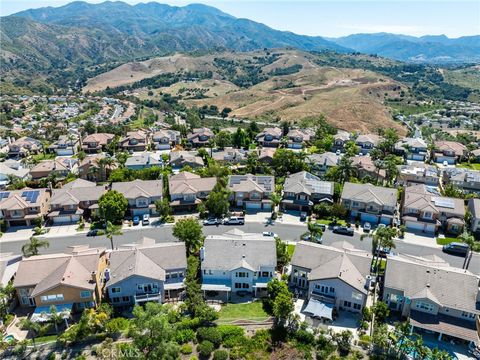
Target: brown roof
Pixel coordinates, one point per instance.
(458, 148)
(139, 188)
(100, 138)
(186, 182)
(22, 199)
(420, 197)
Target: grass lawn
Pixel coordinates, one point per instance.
(42, 156)
(44, 339)
(250, 311)
(447, 240)
(327, 222)
(472, 166)
(290, 249)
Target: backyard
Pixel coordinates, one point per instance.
(230, 313)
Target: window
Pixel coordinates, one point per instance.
(50, 298)
(241, 274)
(238, 285)
(245, 286)
(468, 315)
(85, 294)
(126, 298)
(115, 290)
(357, 306)
(347, 304)
(424, 306)
(115, 299)
(265, 274)
(332, 289)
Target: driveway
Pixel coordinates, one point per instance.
(17, 234)
(259, 217)
(420, 238)
(291, 218)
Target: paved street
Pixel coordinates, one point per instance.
(285, 231)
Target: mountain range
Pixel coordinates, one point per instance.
(83, 34)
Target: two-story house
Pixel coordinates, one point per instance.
(65, 145)
(97, 142)
(251, 192)
(230, 156)
(465, 179)
(367, 142)
(8, 173)
(412, 149)
(143, 160)
(424, 209)
(366, 167)
(71, 281)
(321, 163)
(24, 207)
(303, 190)
(237, 262)
(435, 297)
(59, 167)
(373, 204)
(269, 137)
(134, 141)
(179, 159)
(92, 169)
(330, 277)
(339, 140)
(297, 138)
(187, 190)
(76, 199)
(474, 209)
(417, 172)
(449, 151)
(141, 195)
(200, 137)
(165, 139)
(24, 146)
(144, 272)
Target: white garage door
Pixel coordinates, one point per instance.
(267, 206)
(412, 225)
(430, 228)
(62, 219)
(252, 206)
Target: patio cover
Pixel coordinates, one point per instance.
(215, 287)
(319, 309)
(173, 286)
(42, 313)
(260, 285)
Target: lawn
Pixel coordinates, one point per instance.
(249, 311)
(446, 240)
(327, 222)
(473, 166)
(290, 249)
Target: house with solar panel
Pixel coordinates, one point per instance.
(24, 207)
(425, 210)
(303, 190)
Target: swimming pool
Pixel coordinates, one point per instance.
(8, 338)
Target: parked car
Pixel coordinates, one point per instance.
(308, 237)
(211, 221)
(381, 226)
(367, 227)
(303, 216)
(456, 248)
(270, 233)
(343, 230)
(136, 220)
(234, 220)
(146, 219)
(92, 232)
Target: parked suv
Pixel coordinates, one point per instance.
(456, 248)
(343, 230)
(234, 220)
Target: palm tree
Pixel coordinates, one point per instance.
(468, 239)
(382, 238)
(32, 248)
(55, 316)
(104, 164)
(111, 230)
(315, 232)
(275, 198)
(437, 354)
(345, 169)
(402, 338)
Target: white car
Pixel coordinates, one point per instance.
(269, 233)
(211, 221)
(445, 163)
(146, 219)
(367, 227)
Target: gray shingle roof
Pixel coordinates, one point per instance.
(366, 193)
(137, 188)
(307, 183)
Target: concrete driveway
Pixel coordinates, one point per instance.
(420, 238)
(258, 217)
(17, 234)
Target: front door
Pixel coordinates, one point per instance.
(32, 301)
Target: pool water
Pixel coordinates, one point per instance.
(9, 338)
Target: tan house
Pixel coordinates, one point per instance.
(91, 169)
(417, 172)
(424, 209)
(251, 192)
(366, 167)
(200, 137)
(24, 146)
(187, 190)
(298, 138)
(165, 139)
(270, 137)
(230, 155)
(434, 297)
(340, 139)
(24, 207)
(449, 151)
(134, 141)
(141, 195)
(71, 281)
(179, 159)
(60, 168)
(74, 200)
(95, 143)
(367, 142)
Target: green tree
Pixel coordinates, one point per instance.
(223, 139)
(239, 138)
(112, 206)
(381, 311)
(32, 248)
(190, 232)
(468, 239)
(286, 162)
(351, 149)
(382, 238)
(345, 170)
(163, 208)
(112, 230)
(218, 201)
(283, 256)
(6, 295)
(453, 191)
(283, 307)
(344, 342)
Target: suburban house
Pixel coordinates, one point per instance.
(465, 179)
(340, 139)
(237, 262)
(302, 190)
(60, 168)
(265, 155)
(144, 272)
(76, 199)
(449, 151)
(230, 155)
(179, 159)
(476, 154)
(251, 192)
(64, 146)
(412, 149)
(474, 209)
(24, 146)
(321, 163)
(424, 209)
(366, 168)
(297, 138)
(434, 296)
(417, 172)
(187, 190)
(24, 207)
(269, 137)
(200, 137)
(367, 142)
(141, 195)
(165, 139)
(134, 141)
(8, 267)
(7, 172)
(330, 277)
(144, 160)
(71, 281)
(373, 204)
(97, 142)
(91, 168)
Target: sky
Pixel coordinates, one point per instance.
(332, 18)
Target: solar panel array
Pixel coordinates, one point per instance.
(444, 202)
(4, 195)
(31, 195)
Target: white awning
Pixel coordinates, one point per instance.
(173, 286)
(259, 285)
(216, 287)
(319, 309)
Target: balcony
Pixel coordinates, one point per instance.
(140, 298)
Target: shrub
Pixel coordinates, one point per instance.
(186, 349)
(365, 341)
(184, 336)
(220, 355)
(231, 335)
(211, 334)
(304, 337)
(205, 348)
(116, 325)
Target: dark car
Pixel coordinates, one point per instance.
(456, 248)
(92, 232)
(136, 220)
(343, 230)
